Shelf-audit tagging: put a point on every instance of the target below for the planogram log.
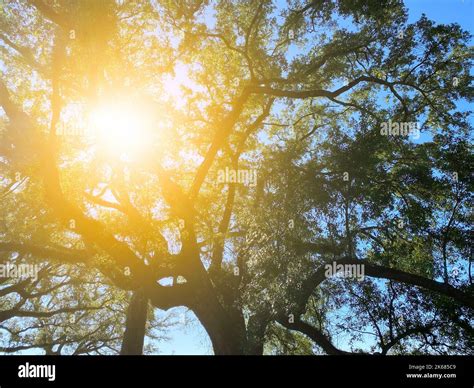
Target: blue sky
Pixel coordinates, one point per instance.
(443, 11)
(192, 338)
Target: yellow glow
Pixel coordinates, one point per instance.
(121, 129)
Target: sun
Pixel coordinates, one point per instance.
(121, 128)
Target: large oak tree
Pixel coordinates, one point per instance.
(295, 92)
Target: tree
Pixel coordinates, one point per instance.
(275, 141)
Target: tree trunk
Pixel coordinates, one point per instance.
(134, 336)
(256, 327)
(225, 337)
(225, 329)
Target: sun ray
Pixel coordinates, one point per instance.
(121, 129)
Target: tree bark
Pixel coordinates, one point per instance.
(256, 328)
(226, 330)
(134, 336)
(223, 323)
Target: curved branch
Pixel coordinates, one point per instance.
(378, 271)
(316, 335)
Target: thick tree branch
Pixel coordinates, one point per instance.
(317, 336)
(378, 271)
(50, 14)
(224, 129)
(224, 224)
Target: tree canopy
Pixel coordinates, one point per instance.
(232, 157)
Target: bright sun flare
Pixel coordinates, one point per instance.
(120, 128)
